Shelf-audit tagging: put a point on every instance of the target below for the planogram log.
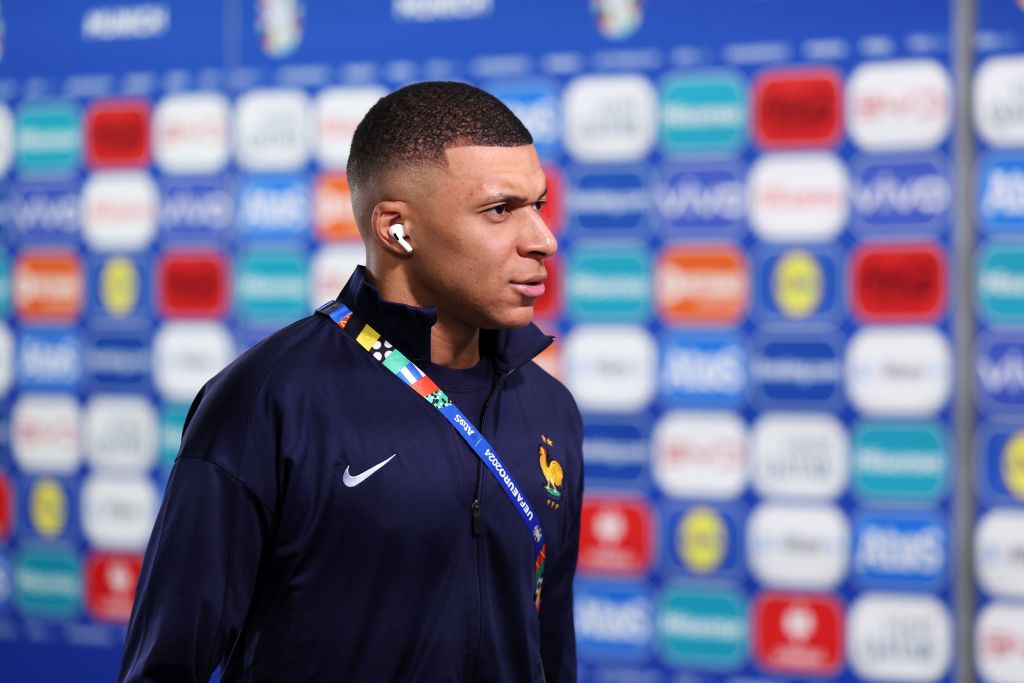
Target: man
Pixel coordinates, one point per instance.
(323, 521)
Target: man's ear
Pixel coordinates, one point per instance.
(385, 215)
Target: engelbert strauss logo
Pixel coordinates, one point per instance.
(552, 471)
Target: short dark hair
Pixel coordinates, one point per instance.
(418, 123)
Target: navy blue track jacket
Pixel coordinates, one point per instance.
(264, 559)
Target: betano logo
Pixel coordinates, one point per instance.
(897, 105)
(703, 112)
(338, 110)
(48, 286)
(117, 134)
(797, 107)
(190, 133)
(998, 107)
(333, 217)
(702, 285)
(616, 535)
(699, 454)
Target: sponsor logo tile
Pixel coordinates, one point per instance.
(798, 634)
(999, 384)
(192, 284)
(7, 351)
(900, 550)
(47, 507)
(797, 107)
(999, 642)
(609, 283)
(6, 140)
(904, 104)
(274, 207)
(999, 552)
(120, 432)
(702, 284)
(117, 134)
(611, 368)
(708, 199)
(703, 113)
(120, 210)
(797, 285)
(703, 369)
(616, 450)
(536, 103)
(903, 195)
(899, 371)
(898, 283)
(45, 213)
(702, 628)
(110, 580)
(333, 218)
(186, 355)
(616, 535)
(998, 115)
(5, 286)
(197, 209)
(118, 360)
(49, 359)
(271, 130)
(1000, 193)
(702, 541)
(1001, 464)
(1000, 285)
(799, 455)
(190, 133)
(270, 286)
(614, 620)
(48, 286)
(798, 197)
(45, 433)
(330, 268)
(118, 511)
(901, 461)
(784, 551)
(337, 112)
(48, 582)
(608, 201)
(699, 454)
(118, 288)
(899, 637)
(8, 504)
(796, 371)
(47, 140)
(610, 118)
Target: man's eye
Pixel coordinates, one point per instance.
(499, 209)
(539, 205)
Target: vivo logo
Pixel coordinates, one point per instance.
(1000, 371)
(696, 198)
(197, 208)
(46, 212)
(908, 194)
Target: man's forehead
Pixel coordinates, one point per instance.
(487, 168)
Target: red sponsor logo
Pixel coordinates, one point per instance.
(553, 211)
(550, 304)
(117, 134)
(615, 535)
(193, 284)
(6, 508)
(798, 108)
(798, 634)
(48, 286)
(110, 585)
(901, 283)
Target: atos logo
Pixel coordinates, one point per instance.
(536, 104)
(700, 199)
(703, 369)
(270, 286)
(702, 628)
(274, 207)
(616, 451)
(702, 285)
(1001, 194)
(1001, 467)
(616, 537)
(608, 203)
(901, 461)
(110, 585)
(798, 108)
(117, 134)
(196, 209)
(798, 634)
(900, 551)
(609, 283)
(904, 195)
(614, 621)
(999, 369)
(118, 361)
(49, 360)
(904, 283)
(796, 371)
(48, 286)
(193, 284)
(999, 641)
(44, 213)
(47, 582)
(703, 540)
(703, 112)
(900, 637)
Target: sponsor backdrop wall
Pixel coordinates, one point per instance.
(754, 298)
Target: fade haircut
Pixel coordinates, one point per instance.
(417, 124)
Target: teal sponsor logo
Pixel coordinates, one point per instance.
(48, 139)
(702, 628)
(5, 285)
(48, 582)
(704, 112)
(1001, 283)
(270, 286)
(609, 283)
(172, 420)
(900, 461)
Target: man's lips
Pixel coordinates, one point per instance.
(531, 288)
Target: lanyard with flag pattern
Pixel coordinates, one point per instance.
(407, 371)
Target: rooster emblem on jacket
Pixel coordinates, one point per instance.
(551, 469)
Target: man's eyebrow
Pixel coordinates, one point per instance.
(509, 198)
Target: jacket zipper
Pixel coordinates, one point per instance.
(475, 526)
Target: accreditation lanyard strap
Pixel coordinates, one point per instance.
(407, 371)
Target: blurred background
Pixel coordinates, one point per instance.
(789, 301)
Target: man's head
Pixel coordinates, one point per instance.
(458, 170)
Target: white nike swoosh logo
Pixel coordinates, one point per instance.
(357, 479)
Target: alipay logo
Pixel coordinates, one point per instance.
(703, 113)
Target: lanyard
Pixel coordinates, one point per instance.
(404, 369)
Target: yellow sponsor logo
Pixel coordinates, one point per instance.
(797, 284)
(1012, 465)
(702, 540)
(48, 508)
(119, 286)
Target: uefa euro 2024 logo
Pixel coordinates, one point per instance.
(280, 24)
(619, 19)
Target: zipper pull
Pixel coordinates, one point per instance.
(476, 516)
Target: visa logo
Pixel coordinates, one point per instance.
(703, 370)
(690, 199)
(274, 207)
(54, 212)
(912, 194)
(196, 209)
(49, 359)
(1001, 194)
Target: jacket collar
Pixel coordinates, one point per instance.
(408, 327)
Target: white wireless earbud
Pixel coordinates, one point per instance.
(398, 232)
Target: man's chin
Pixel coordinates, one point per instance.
(520, 317)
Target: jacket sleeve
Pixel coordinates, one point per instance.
(557, 626)
(200, 566)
